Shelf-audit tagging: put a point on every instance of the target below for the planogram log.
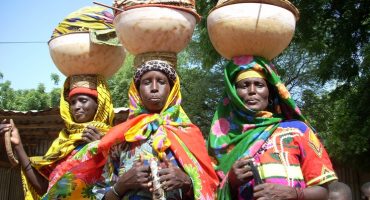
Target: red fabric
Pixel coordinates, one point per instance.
(80, 90)
(192, 137)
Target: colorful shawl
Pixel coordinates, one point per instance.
(171, 128)
(71, 136)
(237, 131)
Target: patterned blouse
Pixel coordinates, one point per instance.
(292, 156)
(121, 159)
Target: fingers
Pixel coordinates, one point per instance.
(5, 127)
(90, 134)
(167, 162)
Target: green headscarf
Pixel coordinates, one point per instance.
(237, 131)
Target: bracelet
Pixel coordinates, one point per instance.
(115, 192)
(28, 166)
(300, 193)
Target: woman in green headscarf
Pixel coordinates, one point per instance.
(259, 124)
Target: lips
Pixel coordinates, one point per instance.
(154, 99)
(79, 113)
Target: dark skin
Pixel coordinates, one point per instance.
(154, 90)
(82, 108)
(254, 93)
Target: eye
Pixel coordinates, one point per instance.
(241, 85)
(145, 82)
(162, 81)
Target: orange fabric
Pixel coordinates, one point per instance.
(81, 90)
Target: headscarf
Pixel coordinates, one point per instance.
(71, 136)
(171, 128)
(237, 131)
(155, 65)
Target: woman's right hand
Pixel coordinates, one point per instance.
(240, 173)
(15, 137)
(138, 177)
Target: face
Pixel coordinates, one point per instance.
(254, 93)
(83, 107)
(154, 90)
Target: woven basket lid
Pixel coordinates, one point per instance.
(185, 5)
(169, 57)
(281, 3)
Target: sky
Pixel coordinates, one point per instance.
(26, 27)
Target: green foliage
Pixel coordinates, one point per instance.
(24, 100)
(120, 83)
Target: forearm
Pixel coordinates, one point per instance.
(38, 182)
(315, 193)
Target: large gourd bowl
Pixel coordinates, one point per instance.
(256, 29)
(154, 29)
(75, 54)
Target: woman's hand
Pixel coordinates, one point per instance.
(90, 134)
(240, 173)
(274, 191)
(15, 137)
(138, 177)
(172, 177)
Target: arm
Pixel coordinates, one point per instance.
(239, 174)
(38, 182)
(282, 192)
(172, 177)
(138, 177)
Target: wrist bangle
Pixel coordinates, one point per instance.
(115, 192)
(300, 193)
(28, 166)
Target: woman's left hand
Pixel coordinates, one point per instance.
(172, 177)
(90, 134)
(274, 191)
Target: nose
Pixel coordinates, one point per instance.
(77, 106)
(154, 87)
(252, 89)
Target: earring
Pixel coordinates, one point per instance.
(271, 102)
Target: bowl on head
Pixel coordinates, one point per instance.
(259, 29)
(75, 54)
(154, 29)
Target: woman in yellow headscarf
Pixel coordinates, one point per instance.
(87, 111)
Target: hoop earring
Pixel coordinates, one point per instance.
(271, 102)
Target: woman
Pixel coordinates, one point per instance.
(258, 124)
(87, 111)
(157, 130)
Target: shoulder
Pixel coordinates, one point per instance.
(297, 124)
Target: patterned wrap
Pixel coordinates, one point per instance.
(94, 19)
(155, 65)
(170, 131)
(185, 5)
(285, 149)
(57, 160)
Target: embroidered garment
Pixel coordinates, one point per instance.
(237, 132)
(170, 131)
(121, 159)
(57, 159)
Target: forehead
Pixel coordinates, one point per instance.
(252, 79)
(81, 95)
(151, 74)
